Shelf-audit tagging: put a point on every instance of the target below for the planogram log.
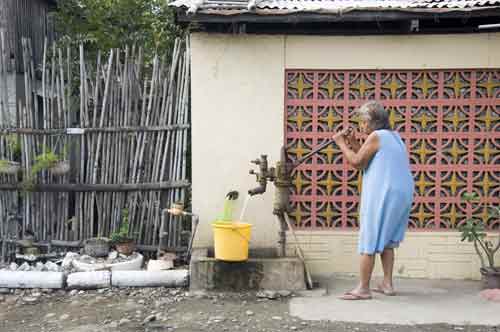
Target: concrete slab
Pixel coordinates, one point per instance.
(256, 273)
(417, 302)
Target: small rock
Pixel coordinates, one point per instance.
(458, 328)
(157, 327)
(39, 266)
(148, 319)
(36, 294)
(217, 319)
(49, 315)
(13, 266)
(30, 300)
(113, 325)
(64, 317)
(73, 292)
(249, 313)
(284, 293)
(24, 267)
(268, 294)
(52, 267)
(293, 328)
(305, 324)
(123, 321)
(199, 294)
(113, 255)
(277, 318)
(81, 292)
(67, 262)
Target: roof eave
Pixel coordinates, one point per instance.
(204, 15)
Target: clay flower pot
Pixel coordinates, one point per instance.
(96, 247)
(60, 168)
(125, 247)
(491, 278)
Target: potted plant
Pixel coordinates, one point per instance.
(96, 247)
(50, 161)
(474, 231)
(123, 243)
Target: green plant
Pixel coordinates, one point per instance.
(27, 184)
(227, 213)
(474, 231)
(14, 145)
(109, 24)
(44, 161)
(4, 163)
(121, 235)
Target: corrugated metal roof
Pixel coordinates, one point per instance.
(212, 6)
(330, 4)
(453, 3)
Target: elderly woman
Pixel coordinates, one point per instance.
(386, 197)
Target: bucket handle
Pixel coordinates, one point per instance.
(239, 233)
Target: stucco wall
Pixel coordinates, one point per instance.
(237, 114)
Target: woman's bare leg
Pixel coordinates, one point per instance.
(362, 291)
(387, 258)
(366, 269)
(366, 265)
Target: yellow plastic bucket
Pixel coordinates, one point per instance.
(231, 241)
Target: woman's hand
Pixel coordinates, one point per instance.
(340, 137)
(351, 140)
(356, 155)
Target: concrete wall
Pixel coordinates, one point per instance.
(238, 113)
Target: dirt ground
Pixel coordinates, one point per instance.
(162, 310)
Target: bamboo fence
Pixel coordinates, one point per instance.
(8, 200)
(122, 127)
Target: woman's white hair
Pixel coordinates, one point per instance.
(375, 114)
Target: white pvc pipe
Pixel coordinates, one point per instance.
(89, 280)
(489, 26)
(172, 278)
(31, 279)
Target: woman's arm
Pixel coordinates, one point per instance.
(362, 157)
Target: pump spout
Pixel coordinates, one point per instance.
(258, 190)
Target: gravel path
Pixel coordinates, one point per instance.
(162, 310)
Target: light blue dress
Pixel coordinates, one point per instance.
(386, 197)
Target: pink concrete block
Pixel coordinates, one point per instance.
(491, 294)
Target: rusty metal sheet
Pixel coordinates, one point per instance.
(335, 5)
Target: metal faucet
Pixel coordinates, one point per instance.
(264, 175)
(177, 209)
